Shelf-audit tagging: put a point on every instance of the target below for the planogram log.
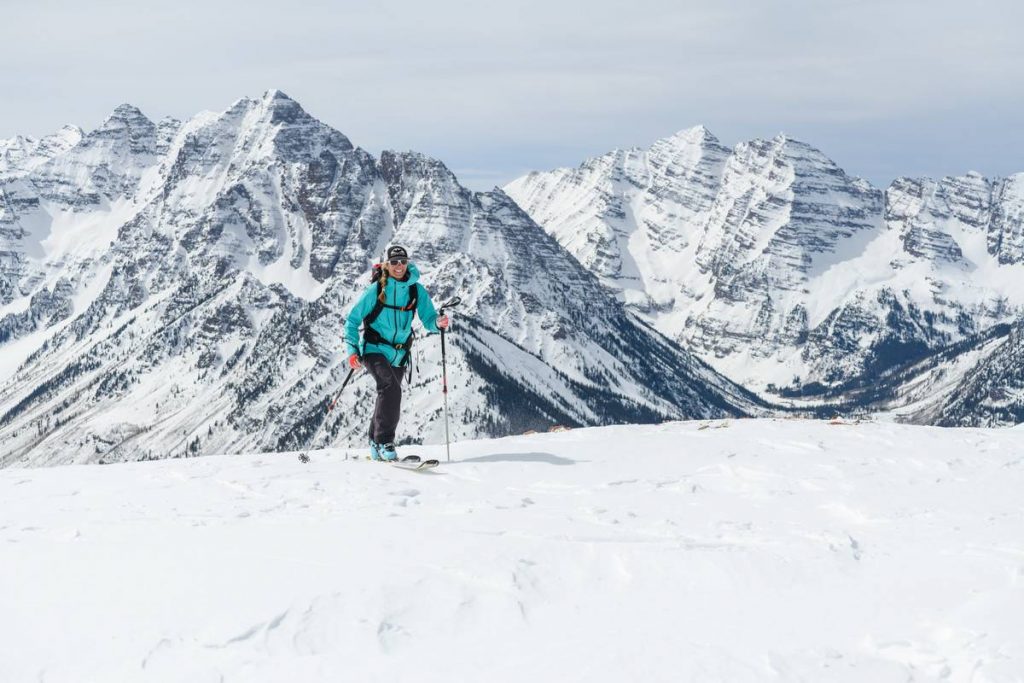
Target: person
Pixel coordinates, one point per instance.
(386, 310)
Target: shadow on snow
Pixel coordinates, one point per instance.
(548, 458)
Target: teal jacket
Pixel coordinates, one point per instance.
(392, 324)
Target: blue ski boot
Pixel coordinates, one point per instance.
(375, 450)
(388, 452)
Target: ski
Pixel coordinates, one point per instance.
(417, 464)
(410, 462)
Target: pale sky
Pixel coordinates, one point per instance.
(884, 87)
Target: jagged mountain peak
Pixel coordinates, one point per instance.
(689, 152)
(127, 110)
(698, 134)
(21, 154)
(68, 133)
(125, 114)
(268, 101)
(273, 105)
(273, 94)
(57, 143)
(687, 146)
(792, 149)
(283, 109)
(126, 127)
(70, 129)
(273, 126)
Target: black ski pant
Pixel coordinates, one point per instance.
(389, 397)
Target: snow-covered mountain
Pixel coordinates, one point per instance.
(21, 155)
(976, 382)
(776, 266)
(732, 550)
(178, 288)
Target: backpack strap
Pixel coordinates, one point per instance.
(379, 306)
(374, 337)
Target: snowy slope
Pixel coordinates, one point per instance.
(752, 550)
(777, 267)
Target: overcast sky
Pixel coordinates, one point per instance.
(885, 88)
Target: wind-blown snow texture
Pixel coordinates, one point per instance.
(779, 269)
(179, 288)
(751, 550)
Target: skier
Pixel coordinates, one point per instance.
(385, 310)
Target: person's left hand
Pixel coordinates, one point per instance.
(442, 322)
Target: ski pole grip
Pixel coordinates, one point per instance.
(454, 301)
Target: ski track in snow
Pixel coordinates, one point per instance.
(762, 550)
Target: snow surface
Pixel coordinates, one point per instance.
(747, 550)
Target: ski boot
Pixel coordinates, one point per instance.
(388, 452)
(375, 450)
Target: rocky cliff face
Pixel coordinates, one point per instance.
(180, 288)
(778, 268)
(991, 394)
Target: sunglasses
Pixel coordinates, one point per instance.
(398, 261)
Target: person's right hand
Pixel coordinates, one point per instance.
(353, 361)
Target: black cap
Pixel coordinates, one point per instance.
(395, 251)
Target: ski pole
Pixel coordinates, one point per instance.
(454, 301)
(444, 390)
(304, 457)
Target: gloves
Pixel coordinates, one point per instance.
(442, 322)
(353, 361)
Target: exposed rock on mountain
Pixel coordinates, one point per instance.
(778, 268)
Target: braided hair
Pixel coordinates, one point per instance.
(384, 274)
